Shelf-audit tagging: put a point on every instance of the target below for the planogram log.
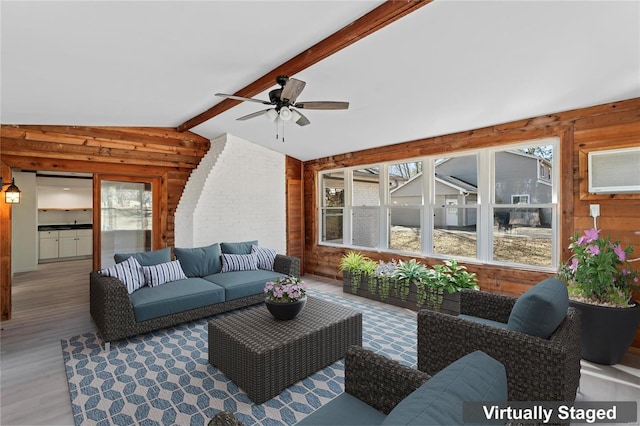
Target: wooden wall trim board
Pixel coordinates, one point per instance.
(5, 249)
(615, 124)
(295, 210)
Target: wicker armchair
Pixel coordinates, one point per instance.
(378, 381)
(537, 369)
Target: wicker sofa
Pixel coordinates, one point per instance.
(539, 368)
(206, 291)
(379, 390)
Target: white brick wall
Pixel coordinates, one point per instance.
(237, 193)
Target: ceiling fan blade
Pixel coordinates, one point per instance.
(302, 120)
(242, 98)
(254, 114)
(292, 90)
(322, 105)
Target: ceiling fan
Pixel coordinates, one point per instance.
(284, 101)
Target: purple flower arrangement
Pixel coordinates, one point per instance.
(285, 289)
(599, 271)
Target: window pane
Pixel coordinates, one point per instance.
(332, 225)
(455, 231)
(405, 230)
(366, 187)
(365, 226)
(333, 189)
(523, 176)
(405, 184)
(523, 235)
(456, 180)
(126, 218)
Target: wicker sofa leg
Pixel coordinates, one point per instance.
(107, 346)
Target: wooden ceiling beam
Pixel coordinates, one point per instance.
(378, 18)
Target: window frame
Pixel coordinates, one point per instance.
(486, 194)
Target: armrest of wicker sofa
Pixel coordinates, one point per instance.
(537, 369)
(483, 304)
(109, 305)
(379, 381)
(287, 265)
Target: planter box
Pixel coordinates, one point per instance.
(450, 302)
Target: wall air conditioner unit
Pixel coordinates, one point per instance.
(615, 171)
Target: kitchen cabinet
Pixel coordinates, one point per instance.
(48, 245)
(66, 243)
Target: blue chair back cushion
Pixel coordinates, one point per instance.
(474, 377)
(540, 310)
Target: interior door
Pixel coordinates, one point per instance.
(126, 216)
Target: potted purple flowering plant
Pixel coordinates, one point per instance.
(601, 282)
(599, 271)
(285, 297)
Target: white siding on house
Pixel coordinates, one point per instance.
(237, 193)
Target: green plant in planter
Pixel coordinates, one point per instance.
(449, 277)
(354, 263)
(384, 277)
(409, 272)
(369, 271)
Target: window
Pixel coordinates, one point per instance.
(494, 205)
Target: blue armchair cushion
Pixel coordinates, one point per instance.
(146, 258)
(238, 248)
(199, 261)
(345, 410)
(474, 377)
(540, 310)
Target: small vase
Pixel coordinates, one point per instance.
(606, 333)
(285, 311)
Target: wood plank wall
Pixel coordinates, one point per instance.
(127, 151)
(295, 210)
(606, 126)
(5, 248)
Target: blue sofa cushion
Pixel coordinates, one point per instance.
(146, 258)
(173, 297)
(199, 261)
(239, 284)
(540, 310)
(474, 377)
(129, 272)
(345, 410)
(238, 248)
(239, 262)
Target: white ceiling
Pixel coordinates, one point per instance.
(448, 67)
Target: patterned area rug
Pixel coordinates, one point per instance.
(164, 378)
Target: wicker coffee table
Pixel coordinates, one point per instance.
(264, 356)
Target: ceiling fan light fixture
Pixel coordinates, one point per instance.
(285, 114)
(272, 114)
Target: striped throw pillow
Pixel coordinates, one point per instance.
(266, 257)
(239, 262)
(163, 273)
(129, 272)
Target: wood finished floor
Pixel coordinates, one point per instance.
(52, 303)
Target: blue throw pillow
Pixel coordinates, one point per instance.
(146, 258)
(540, 310)
(440, 401)
(238, 248)
(199, 261)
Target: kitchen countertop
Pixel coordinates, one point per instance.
(64, 227)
